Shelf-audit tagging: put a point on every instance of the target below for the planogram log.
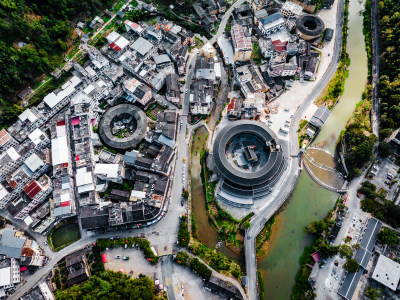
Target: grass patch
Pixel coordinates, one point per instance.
(256, 54)
(264, 236)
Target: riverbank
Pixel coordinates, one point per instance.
(308, 202)
(332, 92)
(320, 229)
(263, 237)
(357, 140)
(210, 223)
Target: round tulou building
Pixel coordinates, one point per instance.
(248, 160)
(309, 27)
(123, 126)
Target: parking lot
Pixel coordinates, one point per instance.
(179, 282)
(385, 176)
(136, 263)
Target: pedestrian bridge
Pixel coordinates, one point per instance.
(324, 169)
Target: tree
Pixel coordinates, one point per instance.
(388, 236)
(351, 266)
(201, 269)
(345, 251)
(317, 227)
(11, 111)
(371, 292)
(246, 225)
(111, 285)
(183, 234)
(182, 258)
(384, 149)
(385, 133)
(327, 250)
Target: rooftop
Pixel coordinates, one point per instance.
(142, 46)
(240, 41)
(387, 272)
(11, 245)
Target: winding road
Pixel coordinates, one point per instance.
(167, 226)
(259, 220)
(375, 67)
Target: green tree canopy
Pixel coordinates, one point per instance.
(388, 236)
(45, 29)
(384, 149)
(351, 266)
(327, 250)
(345, 251)
(183, 234)
(110, 285)
(316, 227)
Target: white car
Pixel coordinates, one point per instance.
(186, 91)
(117, 256)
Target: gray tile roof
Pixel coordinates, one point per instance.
(10, 245)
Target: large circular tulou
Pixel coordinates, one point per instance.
(123, 126)
(247, 156)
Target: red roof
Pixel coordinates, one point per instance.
(32, 189)
(65, 203)
(12, 184)
(279, 46)
(77, 158)
(104, 258)
(61, 123)
(24, 268)
(231, 105)
(115, 47)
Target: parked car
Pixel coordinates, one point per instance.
(117, 256)
(126, 257)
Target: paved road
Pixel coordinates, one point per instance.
(21, 225)
(224, 21)
(267, 212)
(375, 67)
(166, 229)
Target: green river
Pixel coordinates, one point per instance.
(309, 201)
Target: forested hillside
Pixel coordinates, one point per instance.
(46, 27)
(389, 82)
